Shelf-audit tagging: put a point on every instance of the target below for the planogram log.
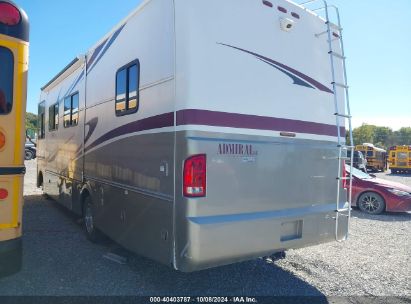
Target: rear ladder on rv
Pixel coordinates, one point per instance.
(335, 57)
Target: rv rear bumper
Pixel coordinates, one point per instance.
(10, 257)
(225, 239)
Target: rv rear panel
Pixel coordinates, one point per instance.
(241, 86)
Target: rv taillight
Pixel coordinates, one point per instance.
(9, 14)
(195, 176)
(3, 194)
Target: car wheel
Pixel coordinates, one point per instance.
(91, 230)
(28, 155)
(371, 203)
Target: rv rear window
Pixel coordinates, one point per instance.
(54, 117)
(127, 89)
(71, 110)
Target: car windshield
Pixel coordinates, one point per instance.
(358, 173)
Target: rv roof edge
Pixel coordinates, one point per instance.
(67, 70)
(119, 24)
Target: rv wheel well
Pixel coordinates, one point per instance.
(84, 195)
(40, 179)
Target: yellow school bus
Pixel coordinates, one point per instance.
(14, 46)
(400, 159)
(376, 157)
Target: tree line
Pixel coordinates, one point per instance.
(383, 137)
(31, 121)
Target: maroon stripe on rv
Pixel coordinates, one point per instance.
(306, 78)
(244, 121)
(149, 123)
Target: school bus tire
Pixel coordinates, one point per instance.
(11, 256)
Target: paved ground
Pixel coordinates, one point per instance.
(58, 260)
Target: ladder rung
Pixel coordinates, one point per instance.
(337, 55)
(342, 210)
(340, 85)
(342, 115)
(344, 178)
(334, 26)
(345, 147)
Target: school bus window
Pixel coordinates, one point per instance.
(127, 87)
(6, 80)
(54, 117)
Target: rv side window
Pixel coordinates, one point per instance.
(71, 109)
(41, 121)
(74, 109)
(67, 111)
(127, 89)
(54, 117)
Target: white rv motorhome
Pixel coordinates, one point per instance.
(201, 133)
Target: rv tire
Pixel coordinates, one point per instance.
(92, 233)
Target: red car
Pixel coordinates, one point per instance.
(374, 195)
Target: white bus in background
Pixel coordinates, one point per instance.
(202, 133)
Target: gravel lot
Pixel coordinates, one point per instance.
(58, 260)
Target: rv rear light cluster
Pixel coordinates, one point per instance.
(2, 140)
(3, 194)
(9, 14)
(195, 176)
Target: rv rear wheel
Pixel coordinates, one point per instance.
(92, 232)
